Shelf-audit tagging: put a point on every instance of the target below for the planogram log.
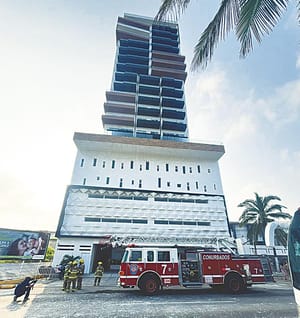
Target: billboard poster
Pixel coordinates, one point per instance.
(23, 244)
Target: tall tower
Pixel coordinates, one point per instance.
(144, 182)
(147, 93)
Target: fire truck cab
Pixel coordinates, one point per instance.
(151, 268)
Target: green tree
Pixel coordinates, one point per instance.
(49, 254)
(258, 213)
(68, 258)
(248, 18)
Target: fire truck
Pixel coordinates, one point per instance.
(152, 268)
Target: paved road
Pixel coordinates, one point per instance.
(264, 301)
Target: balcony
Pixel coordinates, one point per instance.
(119, 108)
(149, 80)
(126, 77)
(120, 97)
(134, 51)
(117, 120)
(133, 68)
(170, 82)
(172, 103)
(164, 41)
(169, 125)
(148, 100)
(165, 48)
(154, 124)
(164, 34)
(125, 87)
(173, 114)
(133, 59)
(151, 112)
(171, 92)
(149, 90)
(134, 43)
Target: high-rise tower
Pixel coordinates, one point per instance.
(147, 93)
(145, 182)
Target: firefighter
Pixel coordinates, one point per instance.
(72, 277)
(81, 267)
(98, 274)
(67, 276)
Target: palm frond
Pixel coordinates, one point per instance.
(224, 21)
(171, 9)
(257, 18)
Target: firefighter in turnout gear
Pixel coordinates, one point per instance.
(81, 267)
(98, 274)
(72, 277)
(66, 276)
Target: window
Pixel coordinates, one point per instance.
(167, 167)
(131, 164)
(147, 165)
(198, 167)
(191, 170)
(168, 184)
(163, 256)
(121, 182)
(136, 256)
(140, 183)
(215, 187)
(188, 186)
(161, 222)
(205, 189)
(197, 185)
(176, 168)
(178, 185)
(139, 221)
(98, 178)
(150, 256)
(81, 162)
(132, 182)
(157, 168)
(103, 164)
(94, 162)
(159, 182)
(141, 167)
(113, 163)
(107, 180)
(183, 169)
(84, 181)
(122, 165)
(208, 170)
(88, 219)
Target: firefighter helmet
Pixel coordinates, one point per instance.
(81, 261)
(100, 263)
(74, 263)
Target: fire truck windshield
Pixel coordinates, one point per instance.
(125, 256)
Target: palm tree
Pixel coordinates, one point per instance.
(248, 18)
(258, 213)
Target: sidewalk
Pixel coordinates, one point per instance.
(10, 309)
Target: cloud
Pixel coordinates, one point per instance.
(259, 133)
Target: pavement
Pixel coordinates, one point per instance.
(10, 309)
(109, 284)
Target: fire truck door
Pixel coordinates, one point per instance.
(166, 266)
(191, 269)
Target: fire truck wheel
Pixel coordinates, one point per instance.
(234, 283)
(149, 284)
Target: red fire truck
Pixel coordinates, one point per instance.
(152, 268)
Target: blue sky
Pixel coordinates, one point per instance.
(56, 60)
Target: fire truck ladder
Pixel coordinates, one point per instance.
(219, 244)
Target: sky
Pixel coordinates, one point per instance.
(56, 62)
